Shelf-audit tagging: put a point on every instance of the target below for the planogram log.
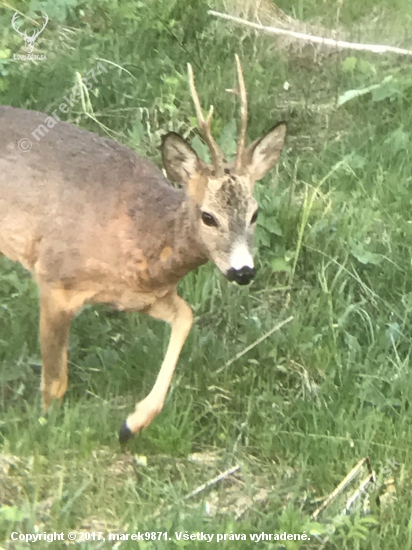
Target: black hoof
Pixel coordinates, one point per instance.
(125, 434)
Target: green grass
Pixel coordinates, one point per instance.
(303, 406)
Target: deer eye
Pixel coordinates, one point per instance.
(254, 217)
(209, 220)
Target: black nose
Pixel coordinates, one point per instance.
(241, 276)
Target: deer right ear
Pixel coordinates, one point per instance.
(179, 159)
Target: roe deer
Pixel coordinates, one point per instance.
(96, 223)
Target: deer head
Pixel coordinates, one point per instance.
(223, 209)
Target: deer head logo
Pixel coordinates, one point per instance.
(29, 40)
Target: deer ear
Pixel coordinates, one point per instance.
(263, 154)
(180, 160)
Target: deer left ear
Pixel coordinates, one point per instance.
(262, 155)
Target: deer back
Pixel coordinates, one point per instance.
(78, 206)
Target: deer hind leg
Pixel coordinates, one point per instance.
(175, 311)
(57, 308)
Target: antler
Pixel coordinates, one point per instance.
(204, 125)
(36, 33)
(241, 144)
(14, 25)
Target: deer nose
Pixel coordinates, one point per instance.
(242, 276)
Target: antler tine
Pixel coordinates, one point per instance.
(204, 125)
(46, 20)
(14, 24)
(241, 144)
(37, 33)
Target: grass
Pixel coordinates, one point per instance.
(303, 406)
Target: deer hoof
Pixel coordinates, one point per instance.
(125, 434)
